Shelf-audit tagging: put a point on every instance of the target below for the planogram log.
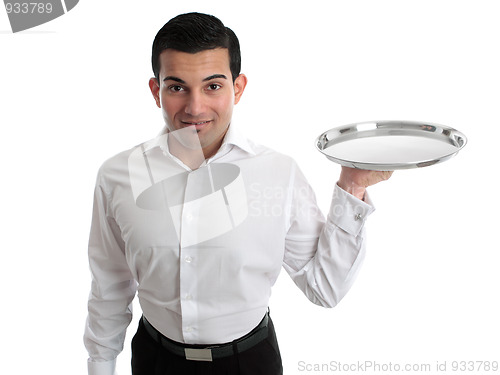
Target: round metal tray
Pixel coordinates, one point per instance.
(390, 145)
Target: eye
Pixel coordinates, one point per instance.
(214, 87)
(175, 88)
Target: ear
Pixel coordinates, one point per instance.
(239, 86)
(155, 90)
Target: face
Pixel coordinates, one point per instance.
(196, 90)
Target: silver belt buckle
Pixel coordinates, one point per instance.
(198, 354)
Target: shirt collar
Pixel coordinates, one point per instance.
(236, 138)
(232, 137)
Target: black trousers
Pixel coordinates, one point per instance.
(151, 358)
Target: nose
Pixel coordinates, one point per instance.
(195, 104)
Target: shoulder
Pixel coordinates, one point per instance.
(273, 158)
(116, 162)
(115, 169)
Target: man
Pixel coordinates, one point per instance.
(200, 220)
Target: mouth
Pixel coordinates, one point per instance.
(197, 124)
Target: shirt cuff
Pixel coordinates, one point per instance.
(101, 368)
(348, 212)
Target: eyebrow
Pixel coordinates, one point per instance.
(215, 76)
(209, 78)
(172, 78)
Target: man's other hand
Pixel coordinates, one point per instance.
(355, 181)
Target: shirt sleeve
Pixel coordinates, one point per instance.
(322, 256)
(112, 289)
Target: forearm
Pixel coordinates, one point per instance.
(108, 318)
(325, 268)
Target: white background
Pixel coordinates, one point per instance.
(74, 92)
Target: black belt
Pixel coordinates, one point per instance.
(210, 352)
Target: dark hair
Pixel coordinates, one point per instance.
(196, 32)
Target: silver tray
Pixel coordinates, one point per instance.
(390, 145)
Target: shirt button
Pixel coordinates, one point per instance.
(188, 297)
(189, 217)
(358, 217)
(188, 259)
(189, 329)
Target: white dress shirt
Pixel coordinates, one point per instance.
(203, 248)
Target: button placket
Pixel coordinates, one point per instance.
(188, 275)
(188, 292)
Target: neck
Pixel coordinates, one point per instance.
(185, 146)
